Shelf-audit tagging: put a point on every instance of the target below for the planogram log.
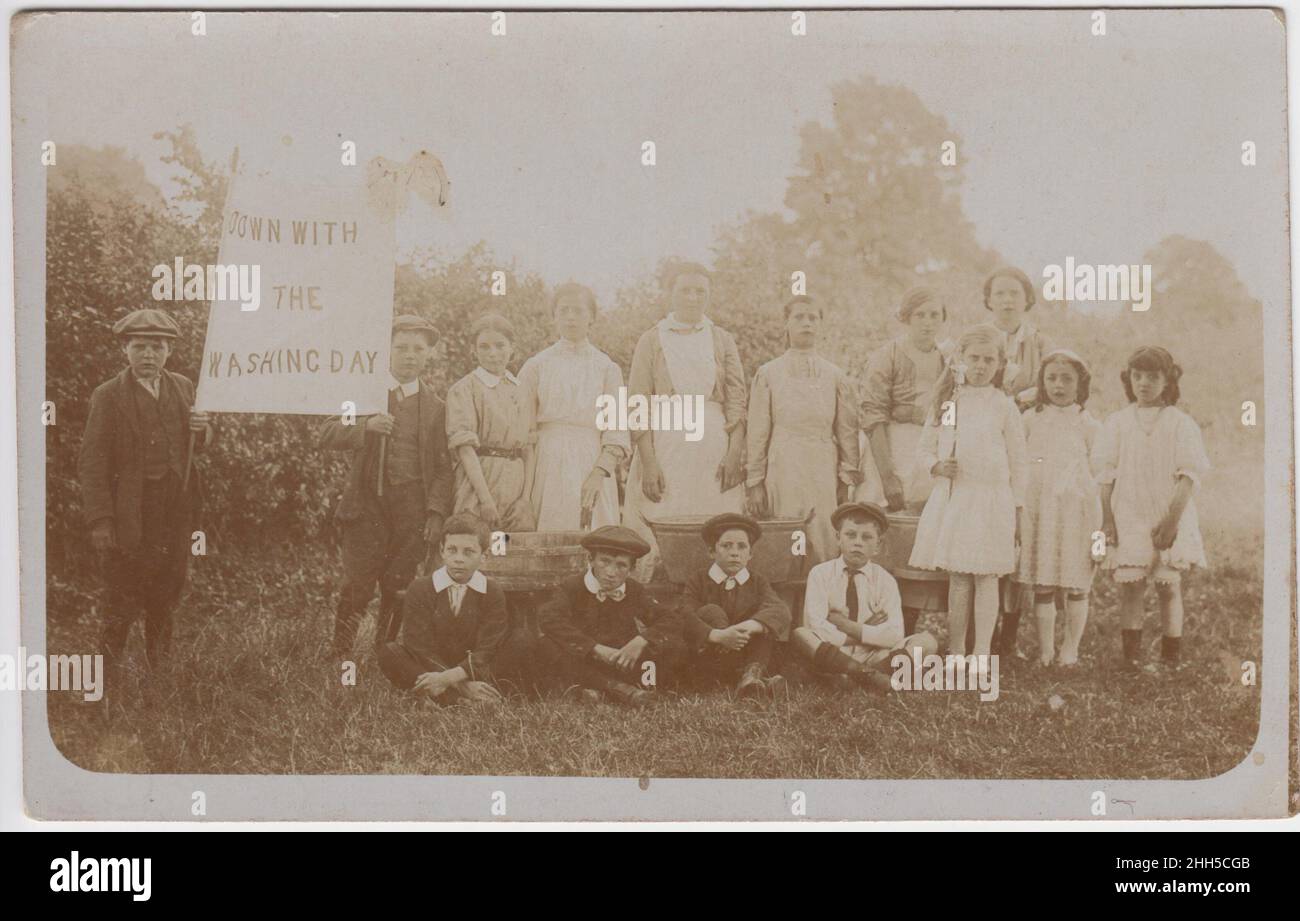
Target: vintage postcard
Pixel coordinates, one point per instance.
(654, 415)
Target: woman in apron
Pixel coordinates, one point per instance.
(686, 354)
(802, 437)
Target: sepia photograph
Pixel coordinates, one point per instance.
(678, 415)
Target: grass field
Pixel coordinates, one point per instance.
(250, 690)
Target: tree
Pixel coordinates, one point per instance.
(872, 211)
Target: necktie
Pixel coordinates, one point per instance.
(617, 594)
(457, 595)
(730, 583)
(851, 593)
(394, 397)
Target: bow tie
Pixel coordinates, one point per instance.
(617, 594)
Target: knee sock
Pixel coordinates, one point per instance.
(1045, 617)
(986, 612)
(1132, 644)
(1132, 611)
(960, 596)
(1171, 609)
(1010, 627)
(1076, 618)
(1171, 649)
(833, 660)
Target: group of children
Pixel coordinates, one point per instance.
(1026, 504)
(1019, 504)
(602, 634)
(1073, 495)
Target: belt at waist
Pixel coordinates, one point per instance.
(492, 451)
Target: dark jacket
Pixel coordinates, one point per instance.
(755, 600)
(363, 475)
(111, 462)
(578, 621)
(469, 639)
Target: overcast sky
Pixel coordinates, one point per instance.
(1073, 145)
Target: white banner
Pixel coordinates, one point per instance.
(314, 336)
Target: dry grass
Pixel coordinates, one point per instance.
(250, 690)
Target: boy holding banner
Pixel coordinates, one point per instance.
(139, 495)
(398, 491)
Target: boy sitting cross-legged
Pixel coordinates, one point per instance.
(853, 615)
(601, 629)
(732, 617)
(454, 624)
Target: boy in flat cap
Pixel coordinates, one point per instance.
(602, 630)
(133, 465)
(732, 617)
(398, 491)
(853, 614)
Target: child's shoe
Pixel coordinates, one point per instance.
(579, 694)
(1171, 652)
(751, 685)
(629, 694)
(777, 687)
(873, 681)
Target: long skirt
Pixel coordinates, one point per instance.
(565, 455)
(903, 440)
(802, 475)
(693, 490)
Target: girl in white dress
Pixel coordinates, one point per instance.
(574, 463)
(1062, 503)
(1149, 460)
(973, 442)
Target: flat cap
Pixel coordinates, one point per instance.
(148, 321)
(617, 539)
(410, 323)
(718, 525)
(870, 509)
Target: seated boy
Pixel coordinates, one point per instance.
(602, 627)
(732, 618)
(853, 615)
(454, 624)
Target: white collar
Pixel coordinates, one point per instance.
(566, 347)
(841, 567)
(442, 580)
(673, 324)
(593, 584)
(409, 389)
(489, 379)
(718, 575)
